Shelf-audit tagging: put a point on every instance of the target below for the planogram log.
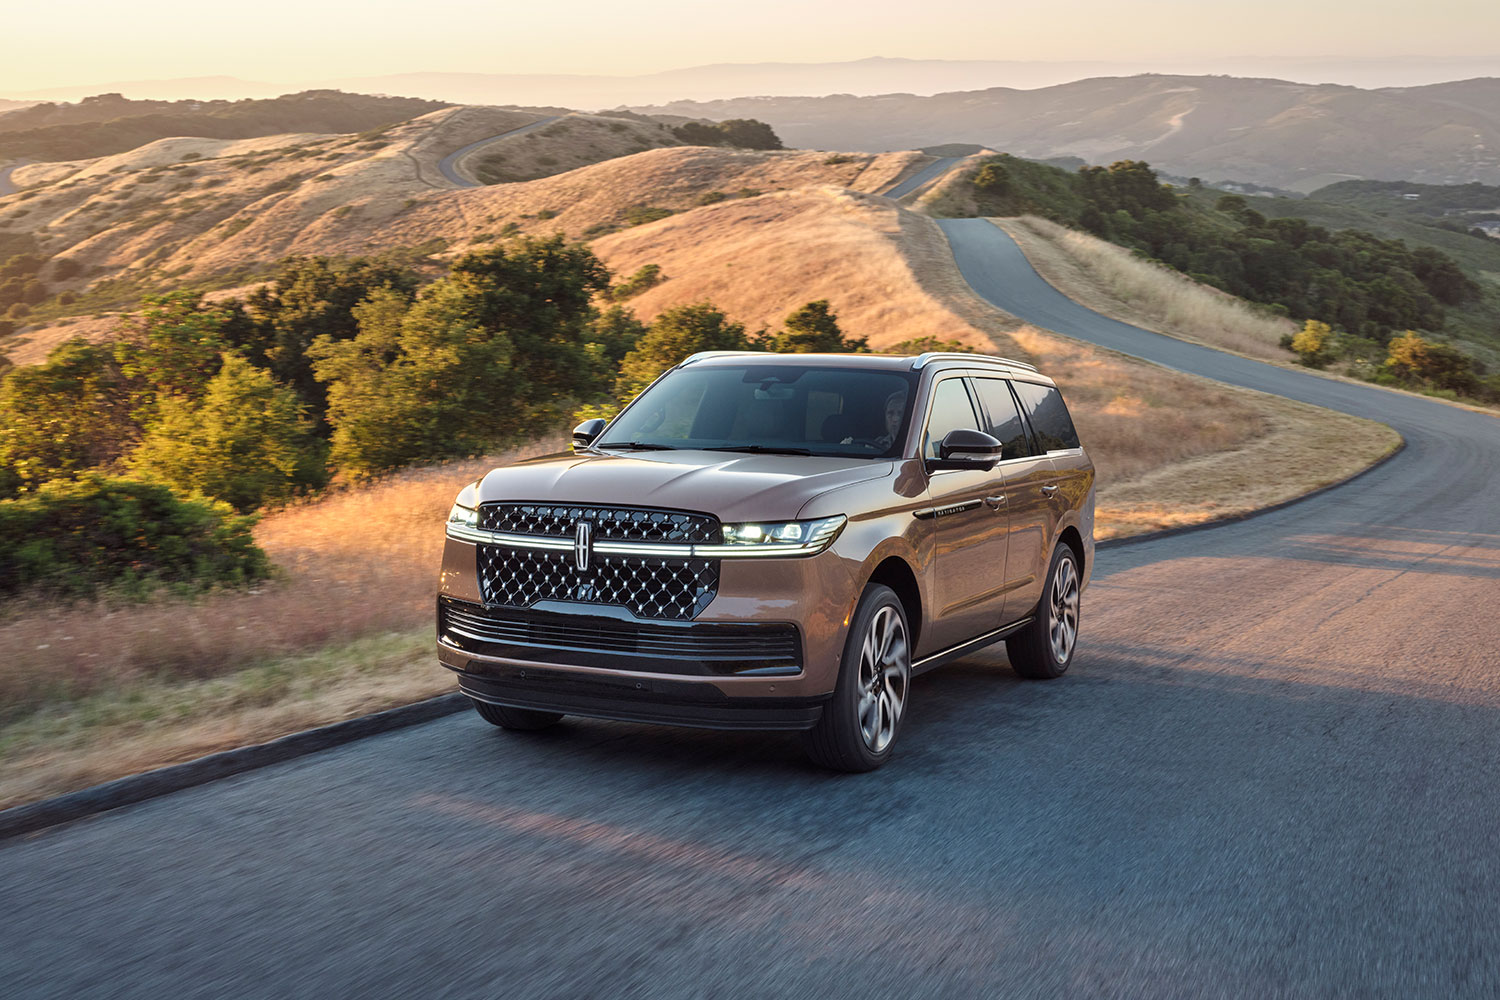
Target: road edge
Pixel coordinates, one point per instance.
(33, 817)
(1219, 522)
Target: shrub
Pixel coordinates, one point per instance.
(1314, 345)
(639, 215)
(649, 276)
(711, 197)
(1410, 358)
(75, 536)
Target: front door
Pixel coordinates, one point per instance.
(968, 523)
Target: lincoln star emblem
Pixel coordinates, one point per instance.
(583, 544)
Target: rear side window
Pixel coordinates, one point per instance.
(1002, 417)
(1048, 415)
(951, 410)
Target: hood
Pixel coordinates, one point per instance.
(735, 487)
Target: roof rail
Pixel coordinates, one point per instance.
(931, 356)
(705, 355)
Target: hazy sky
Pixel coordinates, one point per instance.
(65, 42)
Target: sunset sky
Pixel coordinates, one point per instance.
(88, 41)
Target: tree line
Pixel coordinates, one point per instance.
(198, 413)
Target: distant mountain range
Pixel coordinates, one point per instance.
(726, 80)
(1270, 132)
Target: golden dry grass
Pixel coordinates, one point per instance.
(1111, 280)
(574, 141)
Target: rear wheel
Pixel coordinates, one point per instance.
(861, 721)
(1044, 649)
(519, 719)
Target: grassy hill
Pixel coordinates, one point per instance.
(108, 124)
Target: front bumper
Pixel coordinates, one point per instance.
(650, 677)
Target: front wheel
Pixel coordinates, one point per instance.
(1044, 649)
(519, 719)
(860, 723)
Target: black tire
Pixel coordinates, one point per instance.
(1032, 651)
(517, 719)
(841, 741)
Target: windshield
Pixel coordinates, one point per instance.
(770, 408)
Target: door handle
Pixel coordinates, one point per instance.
(1049, 492)
(995, 502)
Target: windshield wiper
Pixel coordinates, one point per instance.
(760, 449)
(638, 446)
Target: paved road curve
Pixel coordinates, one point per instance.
(932, 171)
(449, 164)
(1269, 773)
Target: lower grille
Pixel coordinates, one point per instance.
(587, 640)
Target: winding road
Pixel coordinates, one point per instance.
(1270, 773)
(932, 171)
(449, 164)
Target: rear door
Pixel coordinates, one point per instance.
(1030, 486)
(968, 523)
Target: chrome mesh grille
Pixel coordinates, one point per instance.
(615, 524)
(675, 589)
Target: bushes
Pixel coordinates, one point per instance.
(75, 536)
(1313, 344)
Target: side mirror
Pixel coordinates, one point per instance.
(966, 449)
(584, 433)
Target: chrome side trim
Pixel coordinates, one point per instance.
(698, 550)
(941, 657)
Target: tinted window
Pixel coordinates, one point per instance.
(826, 411)
(951, 410)
(1048, 415)
(1002, 417)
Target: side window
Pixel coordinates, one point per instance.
(1003, 418)
(1048, 415)
(951, 410)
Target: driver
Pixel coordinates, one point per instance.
(895, 409)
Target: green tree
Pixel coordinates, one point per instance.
(812, 329)
(246, 441)
(312, 297)
(674, 335)
(63, 416)
(173, 348)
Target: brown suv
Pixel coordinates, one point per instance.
(765, 541)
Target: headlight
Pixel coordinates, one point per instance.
(811, 535)
(463, 517)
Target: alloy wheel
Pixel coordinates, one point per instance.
(1062, 617)
(884, 678)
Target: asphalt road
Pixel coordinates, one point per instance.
(449, 164)
(1270, 772)
(8, 186)
(932, 171)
